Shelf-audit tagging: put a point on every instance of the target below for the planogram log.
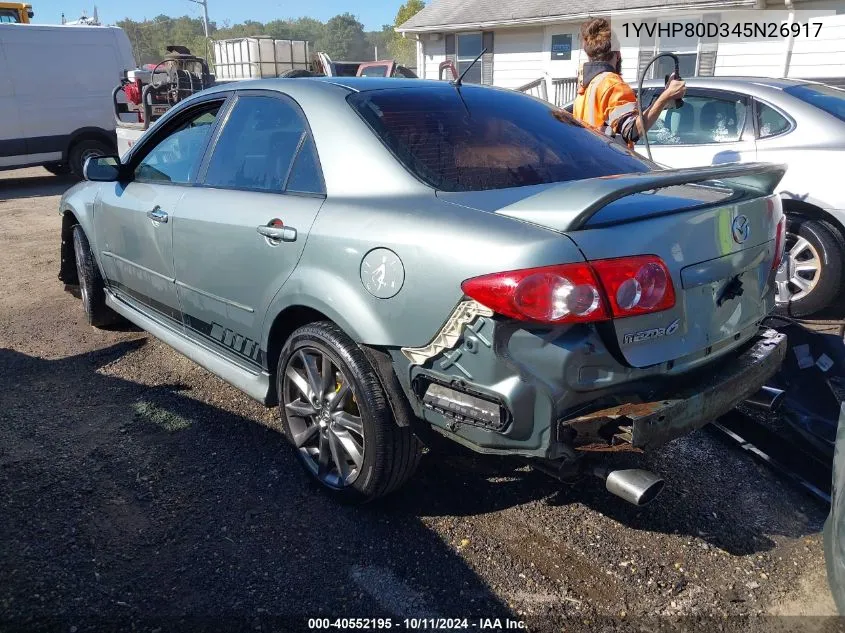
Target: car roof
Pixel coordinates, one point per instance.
(329, 84)
(744, 84)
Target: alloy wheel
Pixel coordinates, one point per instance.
(800, 270)
(83, 286)
(323, 417)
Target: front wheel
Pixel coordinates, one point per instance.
(335, 414)
(809, 278)
(91, 287)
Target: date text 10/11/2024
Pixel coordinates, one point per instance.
(430, 624)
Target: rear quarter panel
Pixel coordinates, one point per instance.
(440, 245)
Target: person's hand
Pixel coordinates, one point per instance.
(676, 89)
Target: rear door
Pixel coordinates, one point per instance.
(134, 219)
(239, 234)
(712, 127)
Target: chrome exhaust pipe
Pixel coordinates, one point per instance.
(767, 399)
(633, 485)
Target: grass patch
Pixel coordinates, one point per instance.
(162, 418)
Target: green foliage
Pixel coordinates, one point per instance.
(345, 39)
(404, 50)
(342, 37)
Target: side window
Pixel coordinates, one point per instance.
(306, 176)
(702, 120)
(770, 122)
(176, 157)
(257, 145)
(374, 71)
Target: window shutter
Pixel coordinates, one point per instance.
(707, 48)
(450, 48)
(646, 52)
(707, 60)
(487, 59)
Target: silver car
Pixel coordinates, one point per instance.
(798, 123)
(391, 261)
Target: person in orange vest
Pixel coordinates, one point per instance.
(605, 102)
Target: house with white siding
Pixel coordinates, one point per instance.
(537, 41)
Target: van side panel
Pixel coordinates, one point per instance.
(11, 142)
(62, 78)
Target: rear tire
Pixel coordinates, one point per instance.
(811, 274)
(82, 151)
(337, 417)
(91, 287)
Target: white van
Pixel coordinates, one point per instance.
(56, 86)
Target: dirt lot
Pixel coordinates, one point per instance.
(137, 491)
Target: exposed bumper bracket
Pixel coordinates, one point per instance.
(653, 424)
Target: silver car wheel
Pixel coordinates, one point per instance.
(323, 417)
(800, 271)
(83, 286)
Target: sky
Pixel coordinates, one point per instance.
(372, 13)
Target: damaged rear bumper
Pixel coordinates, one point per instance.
(647, 425)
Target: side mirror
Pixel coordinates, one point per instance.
(102, 169)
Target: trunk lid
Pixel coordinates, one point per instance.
(717, 240)
(723, 287)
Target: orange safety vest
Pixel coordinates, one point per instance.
(604, 102)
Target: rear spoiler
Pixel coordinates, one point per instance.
(570, 205)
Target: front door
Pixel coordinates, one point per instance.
(712, 128)
(134, 218)
(239, 234)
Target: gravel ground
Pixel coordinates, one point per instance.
(139, 492)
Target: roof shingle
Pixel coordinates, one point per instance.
(449, 13)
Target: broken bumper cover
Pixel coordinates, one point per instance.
(647, 425)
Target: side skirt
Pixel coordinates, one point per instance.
(255, 384)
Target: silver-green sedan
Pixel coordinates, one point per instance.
(391, 261)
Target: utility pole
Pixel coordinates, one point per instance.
(204, 4)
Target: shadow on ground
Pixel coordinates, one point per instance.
(712, 492)
(141, 504)
(35, 186)
(128, 502)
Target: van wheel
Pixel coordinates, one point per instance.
(58, 169)
(82, 151)
(809, 278)
(91, 287)
(336, 415)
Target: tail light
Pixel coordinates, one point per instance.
(780, 243)
(636, 285)
(577, 293)
(568, 293)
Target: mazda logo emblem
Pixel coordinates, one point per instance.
(740, 229)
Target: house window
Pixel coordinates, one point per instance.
(469, 47)
(666, 66)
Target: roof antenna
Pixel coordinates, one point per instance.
(459, 81)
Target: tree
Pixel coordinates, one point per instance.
(344, 38)
(404, 50)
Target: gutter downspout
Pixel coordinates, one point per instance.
(790, 40)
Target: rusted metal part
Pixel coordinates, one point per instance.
(602, 447)
(657, 422)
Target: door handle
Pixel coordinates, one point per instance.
(277, 233)
(157, 215)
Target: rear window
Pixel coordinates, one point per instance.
(827, 98)
(479, 138)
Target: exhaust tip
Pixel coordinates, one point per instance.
(767, 399)
(634, 485)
